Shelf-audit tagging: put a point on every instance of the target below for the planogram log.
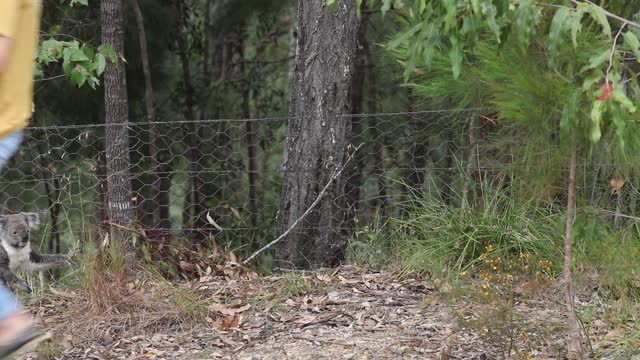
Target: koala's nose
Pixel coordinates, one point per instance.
(25, 237)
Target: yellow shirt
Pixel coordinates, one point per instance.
(20, 21)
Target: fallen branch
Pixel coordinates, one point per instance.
(322, 193)
(122, 227)
(322, 341)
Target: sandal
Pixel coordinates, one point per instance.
(23, 342)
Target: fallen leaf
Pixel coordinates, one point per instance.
(445, 354)
(224, 310)
(229, 322)
(235, 211)
(232, 257)
(614, 334)
(186, 266)
(616, 182)
(210, 220)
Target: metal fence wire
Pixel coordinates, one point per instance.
(231, 170)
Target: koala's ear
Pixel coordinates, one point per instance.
(32, 219)
(3, 221)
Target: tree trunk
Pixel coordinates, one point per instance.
(575, 350)
(101, 198)
(355, 178)
(417, 153)
(116, 118)
(251, 143)
(194, 211)
(252, 171)
(153, 203)
(377, 139)
(293, 40)
(377, 136)
(51, 187)
(318, 136)
(53, 199)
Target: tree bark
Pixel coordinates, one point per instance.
(52, 189)
(293, 40)
(101, 198)
(417, 153)
(318, 136)
(355, 178)
(153, 205)
(194, 210)
(53, 200)
(252, 146)
(575, 350)
(377, 136)
(116, 109)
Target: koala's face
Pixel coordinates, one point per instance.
(15, 228)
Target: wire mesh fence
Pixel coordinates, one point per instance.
(223, 177)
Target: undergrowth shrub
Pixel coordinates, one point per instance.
(611, 256)
(372, 246)
(444, 239)
(498, 282)
(137, 299)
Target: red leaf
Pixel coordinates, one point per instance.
(607, 92)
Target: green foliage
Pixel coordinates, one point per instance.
(612, 255)
(545, 100)
(503, 327)
(80, 62)
(445, 239)
(372, 247)
(81, 2)
(292, 286)
(455, 27)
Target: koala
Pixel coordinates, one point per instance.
(16, 253)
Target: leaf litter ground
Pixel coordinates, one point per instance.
(344, 313)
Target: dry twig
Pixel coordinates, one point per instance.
(322, 193)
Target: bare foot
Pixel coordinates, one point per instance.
(15, 326)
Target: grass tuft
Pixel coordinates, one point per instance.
(444, 239)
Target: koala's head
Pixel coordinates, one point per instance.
(15, 228)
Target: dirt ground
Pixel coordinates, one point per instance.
(344, 313)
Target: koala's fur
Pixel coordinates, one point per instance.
(16, 253)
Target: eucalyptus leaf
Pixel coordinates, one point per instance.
(631, 42)
(596, 116)
(404, 37)
(597, 60)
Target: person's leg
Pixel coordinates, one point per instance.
(16, 326)
(9, 145)
(9, 305)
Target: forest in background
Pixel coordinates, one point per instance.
(208, 61)
(450, 138)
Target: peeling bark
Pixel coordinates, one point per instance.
(116, 109)
(318, 136)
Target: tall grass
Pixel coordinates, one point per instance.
(441, 238)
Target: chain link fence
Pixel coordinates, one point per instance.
(223, 176)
